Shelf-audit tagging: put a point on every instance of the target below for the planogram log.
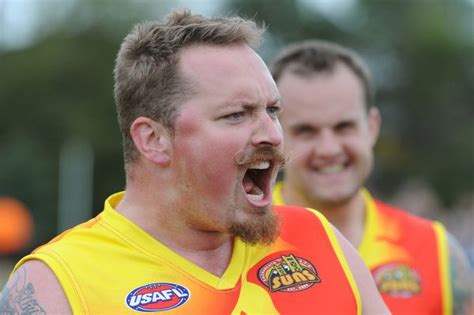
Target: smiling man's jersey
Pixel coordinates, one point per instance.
(407, 256)
(109, 265)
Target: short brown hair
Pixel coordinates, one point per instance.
(147, 80)
(313, 56)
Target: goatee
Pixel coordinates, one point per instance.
(263, 228)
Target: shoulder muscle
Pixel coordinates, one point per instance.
(33, 289)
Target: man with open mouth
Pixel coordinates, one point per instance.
(195, 232)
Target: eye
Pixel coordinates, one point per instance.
(274, 111)
(345, 126)
(234, 116)
(304, 132)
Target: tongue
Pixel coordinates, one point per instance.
(248, 184)
(250, 187)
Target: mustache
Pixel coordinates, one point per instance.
(249, 156)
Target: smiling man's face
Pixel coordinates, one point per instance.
(329, 136)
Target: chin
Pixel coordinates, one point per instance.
(337, 198)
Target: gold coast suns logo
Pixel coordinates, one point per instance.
(288, 274)
(397, 280)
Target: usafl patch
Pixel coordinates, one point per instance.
(157, 297)
(288, 273)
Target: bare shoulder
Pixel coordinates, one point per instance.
(33, 289)
(372, 303)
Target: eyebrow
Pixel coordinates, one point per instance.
(276, 101)
(301, 125)
(249, 104)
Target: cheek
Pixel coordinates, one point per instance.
(213, 163)
(360, 148)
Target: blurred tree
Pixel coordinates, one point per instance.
(59, 88)
(421, 55)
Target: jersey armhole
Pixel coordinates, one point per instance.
(444, 267)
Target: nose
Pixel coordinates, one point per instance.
(327, 144)
(267, 132)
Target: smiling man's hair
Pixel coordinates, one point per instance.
(312, 57)
(147, 78)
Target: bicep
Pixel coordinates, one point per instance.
(33, 289)
(462, 278)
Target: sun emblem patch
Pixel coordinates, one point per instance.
(397, 280)
(288, 274)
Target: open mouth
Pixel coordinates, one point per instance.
(331, 169)
(257, 182)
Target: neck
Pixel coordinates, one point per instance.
(348, 216)
(210, 250)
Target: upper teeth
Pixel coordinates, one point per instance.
(260, 165)
(331, 169)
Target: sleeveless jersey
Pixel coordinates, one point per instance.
(407, 256)
(109, 265)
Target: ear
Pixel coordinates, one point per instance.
(152, 140)
(374, 121)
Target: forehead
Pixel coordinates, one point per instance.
(334, 95)
(227, 72)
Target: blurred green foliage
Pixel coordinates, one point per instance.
(61, 87)
(421, 55)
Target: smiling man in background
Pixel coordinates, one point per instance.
(331, 125)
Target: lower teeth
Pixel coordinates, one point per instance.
(255, 197)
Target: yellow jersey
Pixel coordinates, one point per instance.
(109, 265)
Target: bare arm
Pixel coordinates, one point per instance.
(462, 279)
(372, 303)
(33, 289)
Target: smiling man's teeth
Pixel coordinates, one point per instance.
(329, 170)
(260, 165)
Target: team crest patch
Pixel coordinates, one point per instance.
(397, 280)
(288, 274)
(157, 297)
